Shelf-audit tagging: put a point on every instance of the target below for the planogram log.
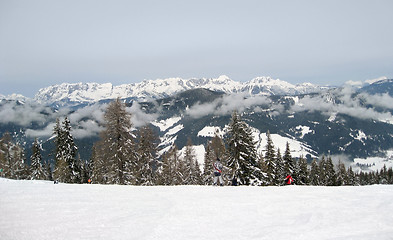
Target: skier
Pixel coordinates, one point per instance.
(289, 180)
(218, 172)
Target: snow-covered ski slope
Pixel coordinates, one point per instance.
(43, 210)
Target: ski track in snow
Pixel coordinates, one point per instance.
(43, 210)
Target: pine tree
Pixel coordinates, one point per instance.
(208, 164)
(100, 168)
(342, 176)
(270, 160)
(18, 165)
(169, 173)
(146, 156)
(117, 159)
(330, 174)
(69, 153)
(37, 170)
(61, 170)
(289, 163)
(67, 168)
(302, 177)
(48, 171)
(192, 172)
(242, 154)
(165, 172)
(5, 155)
(322, 171)
(390, 175)
(352, 177)
(296, 172)
(315, 178)
(383, 175)
(279, 170)
(197, 174)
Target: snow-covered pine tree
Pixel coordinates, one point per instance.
(18, 162)
(181, 172)
(169, 174)
(330, 174)
(147, 156)
(118, 144)
(208, 164)
(390, 175)
(242, 153)
(289, 163)
(192, 172)
(342, 176)
(197, 174)
(99, 164)
(279, 170)
(303, 174)
(5, 156)
(48, 171)
(37, 171)
(165, 171)
(69, 150)
(2, 162)
(322, 172)
(270, 160)
(314, 176)
(61, 170)
(352, 181)
(12, 157)
(262, 165)
(383, 179)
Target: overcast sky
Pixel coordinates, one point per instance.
(323, 42)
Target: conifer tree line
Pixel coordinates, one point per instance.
(125, 155)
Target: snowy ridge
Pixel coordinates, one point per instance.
(68, 93)
(14, 97)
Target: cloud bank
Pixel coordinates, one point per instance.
(226, 105)
(346, 101)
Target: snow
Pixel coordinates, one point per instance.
(199, 151)
(374, 163)
(72, 93)
(298, 149)
(361, 135)
(303, 130)
(210, 131)
(174, 130)
(166, 124)
(332, 117)
(42, 210)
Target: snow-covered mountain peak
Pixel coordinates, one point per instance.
(76, 93)
(270, 81)
(15, 97)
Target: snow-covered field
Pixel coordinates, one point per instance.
(43, 210)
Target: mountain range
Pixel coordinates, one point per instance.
(82, 93)
(315, 120)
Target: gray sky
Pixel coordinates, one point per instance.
(323, 42)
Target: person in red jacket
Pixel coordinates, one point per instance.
(289, 180)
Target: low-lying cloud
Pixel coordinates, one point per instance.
(345, 101)
(23, 114)
(138, 117)
(226, 105)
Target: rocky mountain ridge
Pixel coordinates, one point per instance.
(82, 93)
